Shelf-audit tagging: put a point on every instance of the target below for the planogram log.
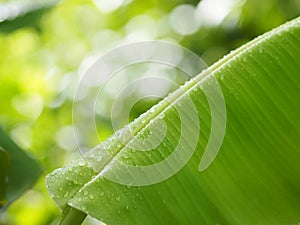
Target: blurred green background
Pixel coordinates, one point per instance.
(45, 46)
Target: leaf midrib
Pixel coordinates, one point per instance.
(176, 95)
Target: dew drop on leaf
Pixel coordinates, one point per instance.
(82, 163)
(99, 158)
(161, 116)
(125, 156)
(91, 196)
(152, 110)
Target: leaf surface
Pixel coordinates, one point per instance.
(4, 164)
(22, 171)
(253, 178)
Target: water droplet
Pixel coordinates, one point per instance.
(60, 188)
(118, 198)
(82, 163)
(83, 207)
(127, 207)
(66, 194)
(91, 196)
(102, 194)
(92, 155)
(161, 116)
(85, 193)
(57, 196)
(99, 158)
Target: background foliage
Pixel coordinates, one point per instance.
(45, 48)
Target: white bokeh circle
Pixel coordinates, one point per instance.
(105, 67)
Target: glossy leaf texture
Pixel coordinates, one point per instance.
(252, 179)
(19, 171)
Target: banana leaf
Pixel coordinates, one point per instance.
(228, 152)
(4, 164)
(19, 171)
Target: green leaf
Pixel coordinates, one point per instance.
(28, 14)
(4, 163)
(247, 104)
(23, 171)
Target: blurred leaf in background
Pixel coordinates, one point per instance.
(44, 53)
(19, 14)
(20, 170)
(4, 164)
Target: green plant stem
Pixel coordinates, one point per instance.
(73, 217)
